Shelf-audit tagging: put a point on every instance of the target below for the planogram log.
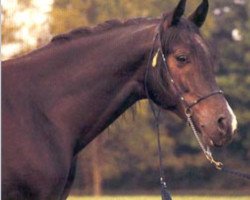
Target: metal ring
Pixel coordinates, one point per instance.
(188, 112)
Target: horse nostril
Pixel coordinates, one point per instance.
(222, 125)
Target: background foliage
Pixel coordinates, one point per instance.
(124, 158)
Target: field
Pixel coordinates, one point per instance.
(159, 198)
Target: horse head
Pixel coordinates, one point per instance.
(181, 77)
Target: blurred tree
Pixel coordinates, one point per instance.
(69, 14)
(8, 28)
(13, 38)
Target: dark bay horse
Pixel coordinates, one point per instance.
(57, 99)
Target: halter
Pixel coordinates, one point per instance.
(187, 106)
(188, 113)
(188, 109)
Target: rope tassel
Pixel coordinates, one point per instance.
(165, 195)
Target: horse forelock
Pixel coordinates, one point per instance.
(181, 32)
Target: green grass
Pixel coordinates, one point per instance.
(178, 197)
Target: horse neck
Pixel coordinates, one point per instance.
(95, 80)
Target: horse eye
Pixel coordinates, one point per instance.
(182, 59)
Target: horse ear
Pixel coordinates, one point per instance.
(178, 12)
(174, 18)
(199, 16)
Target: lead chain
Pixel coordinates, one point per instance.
(207, 152)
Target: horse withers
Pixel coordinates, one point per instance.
(57, 99)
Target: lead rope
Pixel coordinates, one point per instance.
(165, 194)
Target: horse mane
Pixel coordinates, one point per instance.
(107, 25)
